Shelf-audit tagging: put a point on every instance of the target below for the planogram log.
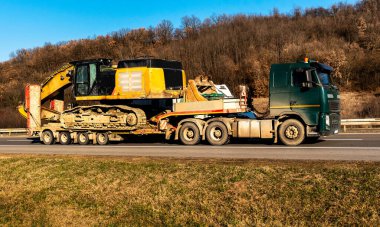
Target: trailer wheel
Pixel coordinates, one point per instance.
(64, 138)
(102, 138)
(83, 138)
(217, 133)
(292, 132)
(189, 134)
(48, 137)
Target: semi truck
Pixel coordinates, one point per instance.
(151, 96)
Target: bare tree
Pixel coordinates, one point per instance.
(164, 31)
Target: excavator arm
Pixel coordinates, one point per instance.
(50, 88)
(57, 82)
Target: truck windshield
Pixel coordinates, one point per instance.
(324, 78)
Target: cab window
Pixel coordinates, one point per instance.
(92, 74)
(299, 76)
(82, 80)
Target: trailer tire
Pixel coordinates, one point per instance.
(48, 137)
(217, 133)
(189, 134)
(83, 138)
(102, 138)
(65, 138)
(292, 132)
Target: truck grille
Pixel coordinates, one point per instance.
(334, 105)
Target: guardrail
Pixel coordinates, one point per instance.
(360, 124)
(12, 131)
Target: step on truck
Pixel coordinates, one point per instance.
(151, 96)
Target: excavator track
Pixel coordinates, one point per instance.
(103, 117)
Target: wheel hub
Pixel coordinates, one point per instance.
(291, 132)
(189, 134)
(47, 137)
(102, 138)
(64, 138)
(216, 133)
(82, 138)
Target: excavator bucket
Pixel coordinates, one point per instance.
(22, 111)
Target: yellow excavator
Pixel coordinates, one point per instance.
(137, 96)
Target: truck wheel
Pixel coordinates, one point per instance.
(217, 133)
(83, 138)
(48, 137)
(64, 138)
(292, 132)
(189, 134)
(102, 138)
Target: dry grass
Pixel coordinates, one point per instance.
(11, 118)
(360, 105)
(39, 190)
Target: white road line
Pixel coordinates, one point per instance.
(194, 147)
(19, 140)
(344, 139)
(358, 133)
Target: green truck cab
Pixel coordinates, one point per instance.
(304, 100)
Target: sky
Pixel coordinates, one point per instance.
(28, 24)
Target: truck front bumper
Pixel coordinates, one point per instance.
(329, 124)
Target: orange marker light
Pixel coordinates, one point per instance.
(306, 60)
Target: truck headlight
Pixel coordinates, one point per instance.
(327, 120)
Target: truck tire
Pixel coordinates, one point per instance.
(102, 138)
(65, 138)
(48, 137)
(292, 132)
(83, 138)
(189, 134)
(217, 133)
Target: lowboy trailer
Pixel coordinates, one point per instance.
(150, 96)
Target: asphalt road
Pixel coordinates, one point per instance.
(340, 147)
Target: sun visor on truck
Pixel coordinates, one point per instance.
(322, 67)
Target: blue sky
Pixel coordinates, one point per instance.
(32, 23)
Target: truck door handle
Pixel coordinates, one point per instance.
(292, 102)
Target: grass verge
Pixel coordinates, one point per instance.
(54, 190)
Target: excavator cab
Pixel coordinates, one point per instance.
(98, 80)
(93, 77)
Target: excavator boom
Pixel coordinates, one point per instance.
(58, 81)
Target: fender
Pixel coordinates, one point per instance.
(288, 114)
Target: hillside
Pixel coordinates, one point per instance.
(231, 49)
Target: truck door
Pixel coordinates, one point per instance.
(279, 90)
(305, 95)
